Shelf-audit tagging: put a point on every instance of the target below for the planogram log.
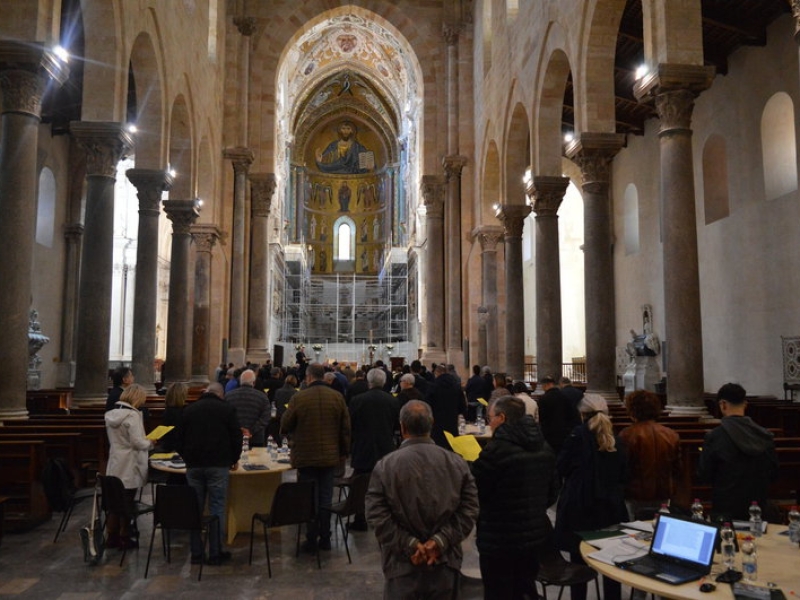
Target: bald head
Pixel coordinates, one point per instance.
(216, 389)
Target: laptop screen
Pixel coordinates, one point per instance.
(684, 539)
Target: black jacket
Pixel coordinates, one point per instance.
(557, 417)
(374, 416)
(447, 401)
(209, 434)
(516, 478)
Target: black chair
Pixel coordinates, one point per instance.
(62, 495)
(294, 504)
(114, 500)
(554, 569)
(341, 480)
(352, 505)
(177, 508)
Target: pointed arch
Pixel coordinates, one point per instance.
(517, 155)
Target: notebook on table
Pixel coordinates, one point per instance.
(681, 550)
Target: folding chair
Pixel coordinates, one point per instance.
(115, 501)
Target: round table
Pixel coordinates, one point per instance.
(249, 491)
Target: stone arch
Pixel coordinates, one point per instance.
(105, 73)
(716, 197)
(517, 155)
(490, 193)
(180, 149)
(778, 147)
(147, 75)
(550, 142)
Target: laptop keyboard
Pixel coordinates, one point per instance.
(664, 570)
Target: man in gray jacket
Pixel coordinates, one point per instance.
(422, 502)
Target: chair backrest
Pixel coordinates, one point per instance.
(58, 483)
(294, 502)
(113, 498)
(354, 504)
(177, 507)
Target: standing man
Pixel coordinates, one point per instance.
(302, 362)
(516, 478)
(557, 415)
(210, 442)
(374, 417)
(318, 421)
(446, 399)
(738, 458)
(422, 502)
(252, 408)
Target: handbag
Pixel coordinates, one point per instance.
(92, 534)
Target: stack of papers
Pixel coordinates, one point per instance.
(618, 549)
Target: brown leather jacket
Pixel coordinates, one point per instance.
(654, 455)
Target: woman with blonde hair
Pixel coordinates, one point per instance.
(594, 467)
(127, 458)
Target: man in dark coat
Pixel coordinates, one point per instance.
(252, 408)
(516, 478)
(557, 415)
(447, 401)
(374, 417)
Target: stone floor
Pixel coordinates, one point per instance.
(32, 566)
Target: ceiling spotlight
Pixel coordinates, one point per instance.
(641, 71)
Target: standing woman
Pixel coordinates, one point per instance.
(127, 458)
(594, 467)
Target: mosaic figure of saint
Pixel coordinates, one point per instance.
(344, 197)
(342, 155)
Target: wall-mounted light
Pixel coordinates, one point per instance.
(61, 53)
(526, 178)
(173, 173)
(641, 71)
(568, 137)
(132, 128)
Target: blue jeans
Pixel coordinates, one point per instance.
(211, 483)
(323, 476)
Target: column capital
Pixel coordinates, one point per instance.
(182, 213)
(25, 71)
(450, 33)
(453, 165)
(245, 25)
(205, 236)
(241, 158)
(593, 153)
(149, 184)
(488, 237)
(262, 188)
(796, 15)
(547, 192)
(433, 189)
(512, 216)
(668, 77)
(105, 144)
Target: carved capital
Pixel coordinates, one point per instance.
(150, 184)
(669, 77)
(675, 111)
(512, 216)
(433, 189)
(204, 236)
(450, 33)
(245, 25)
(593, 153)
(262, 188)
(241, 158)
(547, 192)
(182, 213)
(453, 165)
(488, 237)
(105, 144)
(25, 71)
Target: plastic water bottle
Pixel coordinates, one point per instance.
(794, 525)
(727, 546)
(462, 425)
(245, 458)
(285, 445)
(749, 559)
(272, 448)
(273, 410)
(756, 523)
(664, 510)
(697, 510)
(481, 425)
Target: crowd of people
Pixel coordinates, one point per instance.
(557, 449)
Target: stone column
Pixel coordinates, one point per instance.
(262, 188)
(433, 188)
(25, 71)
(593, 153)
(105, 145)
(183, 214)
(489, 236)
(483, 317)
(150, 184)
(674, 88)
(73, 236)
(547, 194)
(241, 158)
(512, 216)
(204, 238)
(453, 166)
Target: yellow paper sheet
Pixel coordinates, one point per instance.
(464, 445)
(162, 455)
(482, 401)
(160, 432)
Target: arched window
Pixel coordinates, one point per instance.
(715, 179)
(778, 146)
(344, 239)
(46, 208)
(631, 219)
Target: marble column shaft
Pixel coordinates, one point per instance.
(241, 158)
(262, 188)
(674, 88)
(105, 145)
(204, 238)
(489, 236)
(150, 184)
(512, 216)
(433, 190)
(593, 153)
(483, 355)
(547, 194)
(25, 71)
(453, 166)
(182, 213)
(73, 238)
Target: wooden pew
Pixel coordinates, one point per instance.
(65, 446)
(21, 464)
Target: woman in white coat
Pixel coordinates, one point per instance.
(127, 458)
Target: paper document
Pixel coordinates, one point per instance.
(622, 550)
(640, 525)
(162, 456)
(160, 432)
(482, 401)
(465, 445)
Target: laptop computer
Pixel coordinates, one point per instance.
(681, 550)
